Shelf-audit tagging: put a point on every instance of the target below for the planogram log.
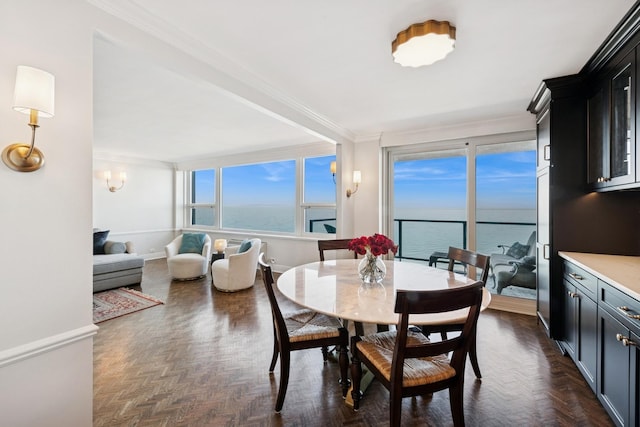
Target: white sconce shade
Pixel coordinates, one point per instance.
(113, 188)
(357, 179)
(332, 167)
(220, 245)
(34, 95)
(35, 90)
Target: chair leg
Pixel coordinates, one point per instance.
(325, 353)
(343, 362)
(285, 359)
(274, 358)
(473, 358)
(455, 400)
(356, 376)
(395, 409)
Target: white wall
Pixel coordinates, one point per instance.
(45, 280)
(143, 210)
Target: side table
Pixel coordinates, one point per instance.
(216, 256)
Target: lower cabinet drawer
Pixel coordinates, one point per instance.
(620, 305)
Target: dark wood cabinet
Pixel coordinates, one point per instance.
(581, 320)
(611, 109)
(618, 355)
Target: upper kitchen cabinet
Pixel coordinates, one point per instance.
(611, 109)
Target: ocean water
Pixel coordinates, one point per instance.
(419, 238)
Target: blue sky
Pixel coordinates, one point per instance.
(504, 181)
(272, 183)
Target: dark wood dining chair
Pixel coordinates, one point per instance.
(468, 259)
(333, 245)
(300, 330)
(418, 366)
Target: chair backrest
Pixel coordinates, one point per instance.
(280, 328)
(332, 245)
(467, 257)
(440, 301)
(532, 244)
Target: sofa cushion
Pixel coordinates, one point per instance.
(244, 246)
(191, 243)
(112, 247)
(108, 263)
(99, 239)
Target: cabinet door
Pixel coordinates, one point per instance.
(634, 390)
(622, 142)
(614, 374)
(598, 134)
(570, 339)
(544, 140)
(586, 356)
(543, 252)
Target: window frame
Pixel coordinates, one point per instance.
(300, 206)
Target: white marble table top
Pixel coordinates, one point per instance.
(334, 288)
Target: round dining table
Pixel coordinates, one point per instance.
(334, 288)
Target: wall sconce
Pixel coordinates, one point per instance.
(34, 95)
(220, 245)
(113, 188)
(357, 179)
(332, 168)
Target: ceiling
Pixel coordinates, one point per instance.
(290, 72)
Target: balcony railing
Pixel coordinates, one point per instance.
(417, 239)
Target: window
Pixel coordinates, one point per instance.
(260, 197)
(430, 201)
(476, 194)
(202, 197)
(264, 196)
(319, 195)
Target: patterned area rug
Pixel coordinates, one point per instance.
(118, 302)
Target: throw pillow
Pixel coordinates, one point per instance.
(518, 250)
(244, 246)
(112, 247)
(99, 239)
(192, 243)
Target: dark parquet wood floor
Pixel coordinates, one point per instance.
(202, 359)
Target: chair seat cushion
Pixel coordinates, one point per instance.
(378, 348)
(307, 324)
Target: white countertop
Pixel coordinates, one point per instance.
(620, 271)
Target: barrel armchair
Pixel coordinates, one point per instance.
(186, 264)
(237, 270)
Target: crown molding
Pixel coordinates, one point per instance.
(118, 158)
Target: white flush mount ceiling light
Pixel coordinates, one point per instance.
(423, 44)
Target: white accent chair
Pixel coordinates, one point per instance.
(188, 265)
(238, 270)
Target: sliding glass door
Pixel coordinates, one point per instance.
(429, 210)
(478, 195)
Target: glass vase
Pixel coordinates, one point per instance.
(371, 269)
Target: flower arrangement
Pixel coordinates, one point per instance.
(376, 245)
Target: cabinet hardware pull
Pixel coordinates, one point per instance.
(625, 340)
(547, 152)
(545, 251)
(572, 294)
(576, 276)
(625, 310)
